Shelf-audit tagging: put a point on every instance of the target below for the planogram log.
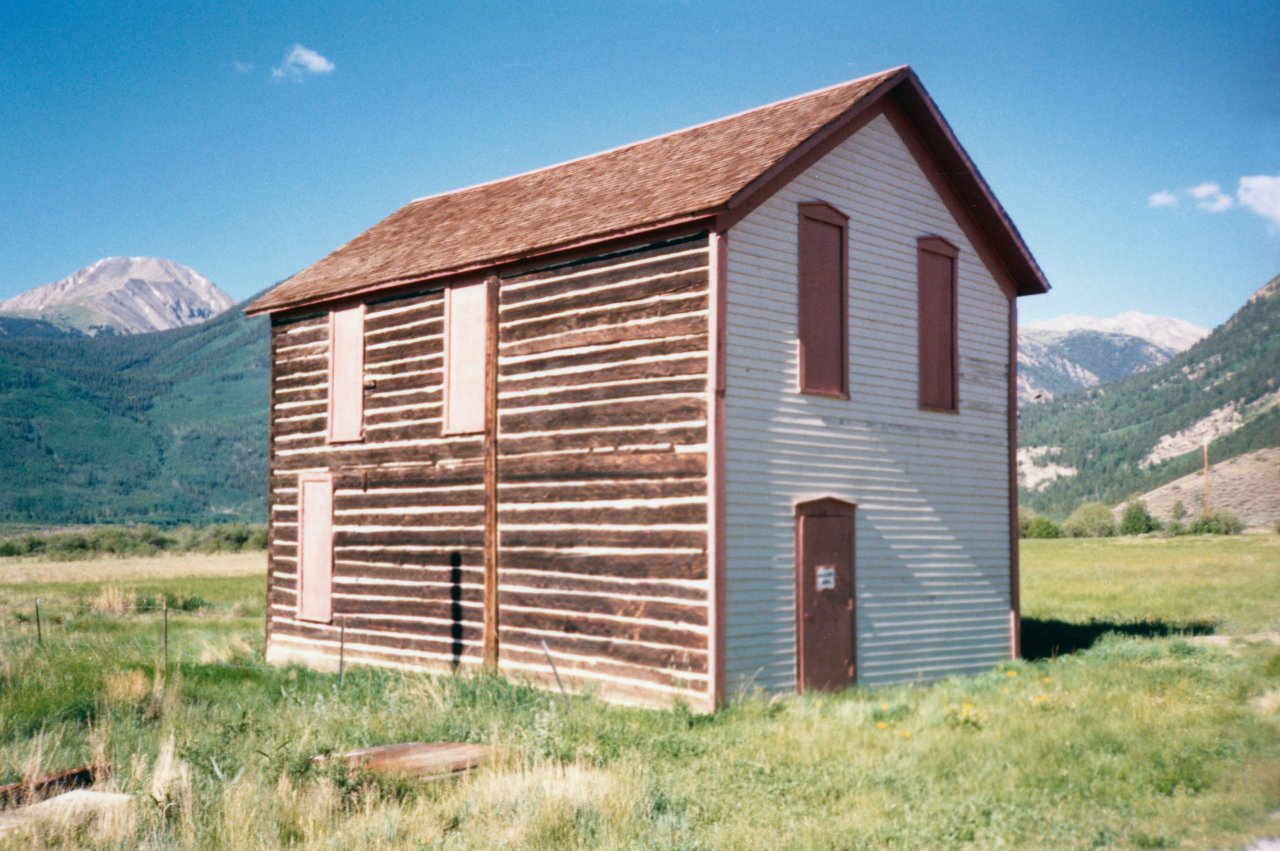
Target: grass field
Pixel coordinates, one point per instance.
(1145, 721)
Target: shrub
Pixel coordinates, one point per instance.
(1042, 527)
(1179, 512)
(1216, 523)
(1090, 520)
(1137, 520)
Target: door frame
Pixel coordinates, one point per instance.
(828, 506)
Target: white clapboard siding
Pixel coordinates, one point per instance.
(932, 560)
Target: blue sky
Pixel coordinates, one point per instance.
(198, 132)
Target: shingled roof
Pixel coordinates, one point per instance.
(680, 177)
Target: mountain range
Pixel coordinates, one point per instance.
(121, 295)
(1074, 352)
(171, 426)
(1134, 434)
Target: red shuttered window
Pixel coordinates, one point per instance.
(346, 374)
(823, 293)
(466, 309)
(936, 259)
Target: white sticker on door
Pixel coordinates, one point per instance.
(826, 578)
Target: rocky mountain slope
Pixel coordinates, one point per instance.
(1136, 433)
(1074, 352)
(1247, 485)
(123, 295)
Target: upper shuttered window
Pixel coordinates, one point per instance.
(346, 374)
(466, 309)
(823, 294)
(937, 281)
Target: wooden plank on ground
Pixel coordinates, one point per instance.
(430, 760)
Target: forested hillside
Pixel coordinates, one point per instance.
(1134, 434)
(163, 427)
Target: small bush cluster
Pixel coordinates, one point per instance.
(138, 540)
(1216, 523)
(1090, 520)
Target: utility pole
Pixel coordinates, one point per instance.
(1205, 508)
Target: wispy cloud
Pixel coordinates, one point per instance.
(301, 62)
(1261, 194)
(242, 67)
(1210, 197)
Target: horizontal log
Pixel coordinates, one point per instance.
(404, 537)
(655, 566)
(523, 345)
(431, 347)
(338, 456)
(446, 610)
(690, 367)
(410, 498)
(530, 515)
(588, 537)
(677, 658)
(393, 635)
(557, 491)
(632, 346)
(622, 412)
(640, 285)
(381, 327)
(603, 605)
(584, 441)
(375, 517)
(423, 382)
(313, 331)
(606, 316)
(453, 592)
(575, 624)
(319, 393)
(565, 395)
(601, 668)
(604, 465)
(437, 569)
(606, 586)
(408, 555)
(604, 270)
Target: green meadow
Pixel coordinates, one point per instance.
(1147, 715)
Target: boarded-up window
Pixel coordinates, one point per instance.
(315, 547)
(937, 281)
(823, 274)
(346, 374)
(466, 315)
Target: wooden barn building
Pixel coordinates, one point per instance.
(730, 408)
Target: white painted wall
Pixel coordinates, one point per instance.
(932, 560)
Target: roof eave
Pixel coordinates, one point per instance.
(682, 222)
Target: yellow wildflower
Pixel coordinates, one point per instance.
(906, 734)
(881, 725)
(1011, 673)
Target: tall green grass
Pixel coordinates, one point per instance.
(136, 540)
(1128, 742)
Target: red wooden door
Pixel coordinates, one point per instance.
(315, 547)
(824, 596)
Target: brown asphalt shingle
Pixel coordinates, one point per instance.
(647, 184)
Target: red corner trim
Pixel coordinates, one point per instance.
(716, 381)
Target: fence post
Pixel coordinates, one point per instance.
(39, 628)
(342, 649)
(166, 634)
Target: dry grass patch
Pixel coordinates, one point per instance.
(25, 571)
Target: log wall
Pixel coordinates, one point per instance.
(602, 482)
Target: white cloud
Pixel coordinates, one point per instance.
(299, 62)
(1210, 197)
(242, 67)
(1261, 194)
(1162, 198)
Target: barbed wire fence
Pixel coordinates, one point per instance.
(49, 619)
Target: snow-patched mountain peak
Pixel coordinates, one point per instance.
(124, 295)
(1166, 332)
